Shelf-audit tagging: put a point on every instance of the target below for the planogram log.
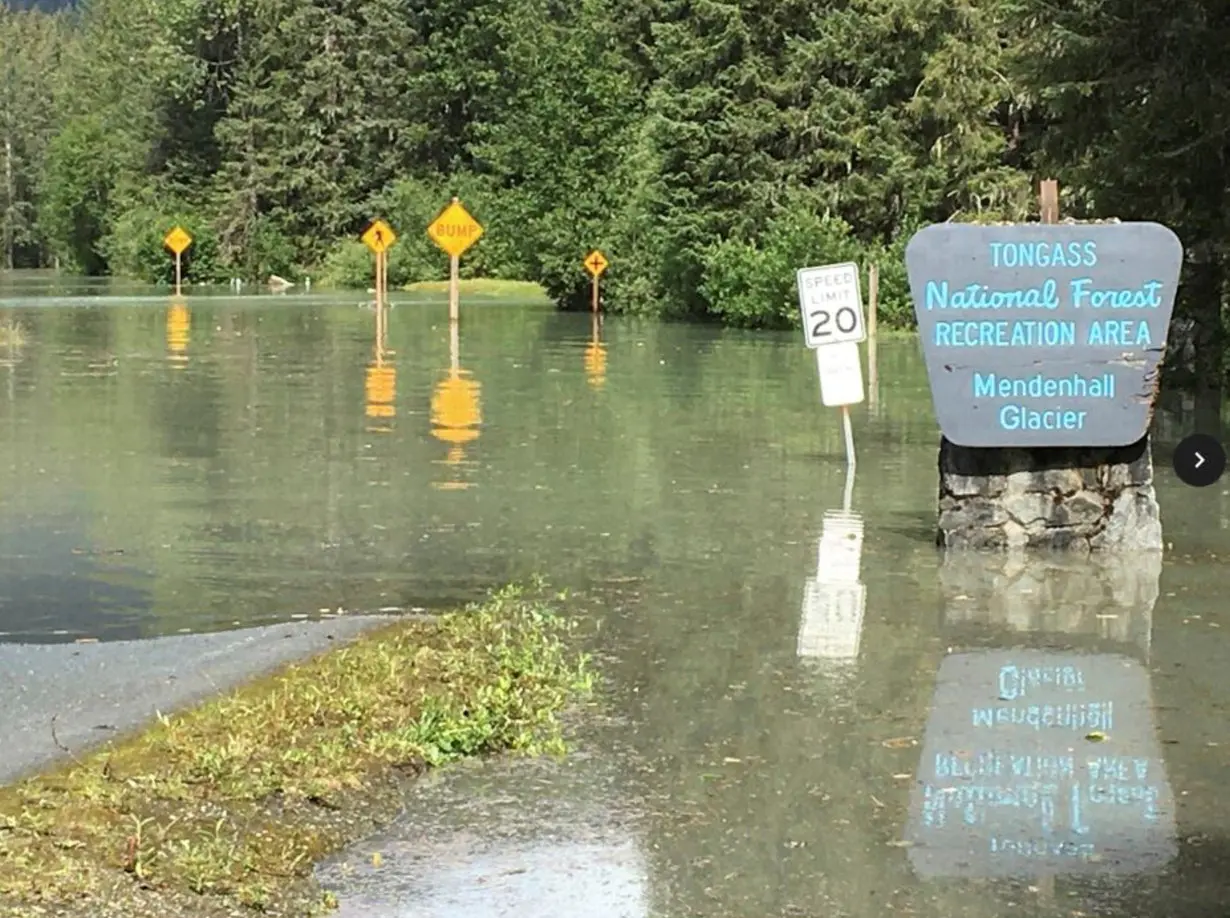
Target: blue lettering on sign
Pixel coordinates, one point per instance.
(1119, 333)
(1147, 295)
(1020, 417)
(1047, 293)
(1019, 333)
(980, 296)
(992, 385)
(1044, 254)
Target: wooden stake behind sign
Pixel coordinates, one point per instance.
(1048, 201)
(873, 298)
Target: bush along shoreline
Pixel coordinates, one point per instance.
(225, 808)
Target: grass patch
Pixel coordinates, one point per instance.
(230, 803)
(485, 286)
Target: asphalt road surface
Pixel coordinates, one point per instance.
(90, 693)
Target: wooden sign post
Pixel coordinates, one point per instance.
(379, 237)
(873, 307)
(595, 264)
(454, 231)
(1048, 194)
(178, 241)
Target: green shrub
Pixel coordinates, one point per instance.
(752, 284)
(348, 264)
(134, 247)
(266, 250)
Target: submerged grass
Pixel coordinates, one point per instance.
(226, 807)
(484, 286)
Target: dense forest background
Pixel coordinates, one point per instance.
(709, 147)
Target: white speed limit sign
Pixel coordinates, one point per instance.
(831, 305)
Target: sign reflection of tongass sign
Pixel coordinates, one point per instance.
(1039, 763)
(1043, 335)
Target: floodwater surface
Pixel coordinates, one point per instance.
(798, 691)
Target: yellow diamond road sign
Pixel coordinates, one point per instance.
(177, 240)
(595, 263)
(379, 237)
(454, 230)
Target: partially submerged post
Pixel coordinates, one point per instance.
(831, 307)
(178, 240)
(1043, 345)
(454, 231)
(595, 264)
(379, 237)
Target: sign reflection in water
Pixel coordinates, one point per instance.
(595, 355)
(179, 327)
(835, 599)
(456, 414)
(381, 379)
(1036, 761)
(12, 342)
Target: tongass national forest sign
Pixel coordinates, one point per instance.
(1043, 335)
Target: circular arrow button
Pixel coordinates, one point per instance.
(1199, 460)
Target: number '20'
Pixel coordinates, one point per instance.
(845, 318)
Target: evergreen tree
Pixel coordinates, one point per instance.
(30, 45)
(1134, 106)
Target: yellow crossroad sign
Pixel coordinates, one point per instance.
(454, 230)
(595, 263)
(177, 240)
(379, 237)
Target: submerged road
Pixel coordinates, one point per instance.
(97, 691)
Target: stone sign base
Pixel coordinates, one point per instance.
(1087, 498)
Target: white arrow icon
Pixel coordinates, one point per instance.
(1199, 460)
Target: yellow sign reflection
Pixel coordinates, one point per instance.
(12, 341)
(381, 380)
(179, 327)
(456, 413)
(595, 356)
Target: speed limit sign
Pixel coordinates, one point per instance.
(831, 305)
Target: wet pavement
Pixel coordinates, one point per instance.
(65, 698)
(798, 689)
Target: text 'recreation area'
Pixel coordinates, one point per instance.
(1043, 335)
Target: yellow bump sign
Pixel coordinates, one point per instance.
(379, 237)
(595, 263)
(454, 230)
(177, 240)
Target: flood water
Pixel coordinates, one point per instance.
(797, 687)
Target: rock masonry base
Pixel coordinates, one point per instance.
(1086, 499)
